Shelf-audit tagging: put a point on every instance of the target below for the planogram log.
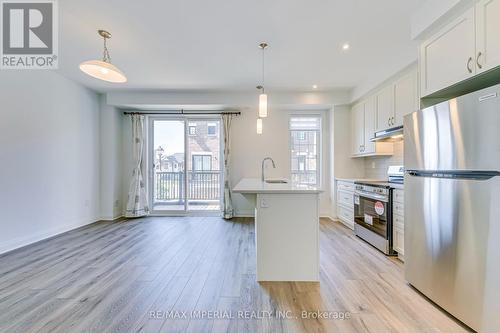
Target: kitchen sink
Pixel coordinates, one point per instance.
(276, 181)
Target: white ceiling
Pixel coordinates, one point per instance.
(212, 45)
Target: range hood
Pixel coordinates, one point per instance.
(389, 135)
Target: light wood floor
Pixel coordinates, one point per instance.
(109, 277)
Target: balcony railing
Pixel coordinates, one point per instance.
(202, 186)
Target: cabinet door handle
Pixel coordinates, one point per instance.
(389, 121)
(393, 120)
(477, 60)
(468, 65)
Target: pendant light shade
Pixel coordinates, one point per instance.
(263, 105)
(103, 69)
(259, 126)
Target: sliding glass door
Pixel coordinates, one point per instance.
(186, 173)
(168, 165)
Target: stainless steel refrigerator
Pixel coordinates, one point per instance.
(452, 206)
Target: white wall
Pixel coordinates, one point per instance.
(341, 163)
(49, 148)
(432, 14)
(249, 148)
(376, 166)
(344, 165)
(217, 100)
(111, 151)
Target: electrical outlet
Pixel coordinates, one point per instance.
(87, 203)
(263, 203)
(373, 165)
(117, 203)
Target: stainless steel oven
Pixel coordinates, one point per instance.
(373, 215)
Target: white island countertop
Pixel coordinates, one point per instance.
(254, 185)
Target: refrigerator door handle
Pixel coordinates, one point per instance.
(454, 174)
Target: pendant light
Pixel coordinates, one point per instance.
(103, 69)
(259, 125)
(263, 95)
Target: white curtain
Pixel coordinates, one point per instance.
(137, 203)
(227, 201)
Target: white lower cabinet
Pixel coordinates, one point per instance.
(398, 228)
(346, 216)
(345, 203)
(345, 198)
(399, 240)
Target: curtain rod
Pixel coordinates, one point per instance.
(182, 112)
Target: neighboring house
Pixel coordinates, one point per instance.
(171, 163)
(204, 145)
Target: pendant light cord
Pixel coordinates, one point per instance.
(263, 68)
(105, 56)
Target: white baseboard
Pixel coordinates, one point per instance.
(27, 240)
(244, 213)
(111, 218)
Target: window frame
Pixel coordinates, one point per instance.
(201, 155)
(190, 126)
(319, 144)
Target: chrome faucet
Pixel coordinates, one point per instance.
(263, 164)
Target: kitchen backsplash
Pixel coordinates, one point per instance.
(376, 167)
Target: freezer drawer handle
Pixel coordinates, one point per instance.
(454, 174)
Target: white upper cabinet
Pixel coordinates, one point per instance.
(405, 97)
(487, 35)
(449, 56)
(364, 117)
(358, 128)
(468, 46)
(370, 125)
(385, 107)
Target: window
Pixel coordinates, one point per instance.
(192, 128)
(202, 162)
(305, 133)
(212, 129)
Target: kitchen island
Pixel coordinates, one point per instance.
(286, 229)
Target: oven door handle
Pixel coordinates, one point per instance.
(372, 196)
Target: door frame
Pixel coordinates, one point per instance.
(185, 119)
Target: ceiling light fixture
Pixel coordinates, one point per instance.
(315, 86)
(346, 46)
(263, 95)
(103, 69)
(259, 125)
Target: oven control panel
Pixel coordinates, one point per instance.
(372, 189)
